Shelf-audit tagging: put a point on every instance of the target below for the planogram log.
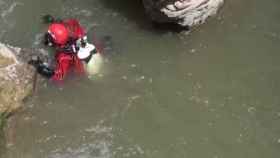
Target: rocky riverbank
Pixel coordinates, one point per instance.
(16, 83)
(16, 77)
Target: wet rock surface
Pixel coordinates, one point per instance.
(183, 12)
(16, 77)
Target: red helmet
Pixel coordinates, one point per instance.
(59, 33)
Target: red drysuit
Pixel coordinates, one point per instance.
(67, 59)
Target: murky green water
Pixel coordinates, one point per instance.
(211, 94)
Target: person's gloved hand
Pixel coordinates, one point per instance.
(45, 70)
(41, 67)
(48, 41)
(82, 42)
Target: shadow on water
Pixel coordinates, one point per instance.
(133, 10)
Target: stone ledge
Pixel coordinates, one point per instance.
(15, 79)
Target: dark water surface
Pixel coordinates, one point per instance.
(211, 94)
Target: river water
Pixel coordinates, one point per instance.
(212, 93)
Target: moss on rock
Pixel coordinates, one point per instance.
(2, 140)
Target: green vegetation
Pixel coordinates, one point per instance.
(3, 117)
(2, 140)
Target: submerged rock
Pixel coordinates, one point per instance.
(15, 78)
(186, 13)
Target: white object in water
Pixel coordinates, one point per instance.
(93, 67)
(85, 52)
(95, 63)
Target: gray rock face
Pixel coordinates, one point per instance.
(16, 77)
(183, 12)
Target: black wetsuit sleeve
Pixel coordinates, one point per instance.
(48, 40)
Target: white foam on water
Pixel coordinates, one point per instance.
(5, 10)
(100, 149)
(77, 11)
(38, 39)
(84, 12)
(10, 9)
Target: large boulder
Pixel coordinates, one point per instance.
(15, 78)
(184, 12)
